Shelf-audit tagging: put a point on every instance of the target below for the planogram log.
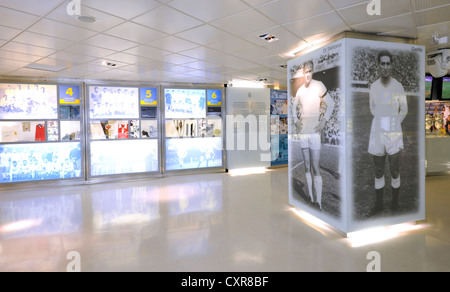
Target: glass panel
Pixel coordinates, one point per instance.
(185, 103)
(124, 157)
(193, 153)
(214, 127)
(34, 162)
(186, 128)
(12, 132)
(113, 102)
(27, 101)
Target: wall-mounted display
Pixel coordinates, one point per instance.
(28, 101)
(36, 162)
(279, 126)
(196, 153)
(124, 157)
(69, 94)
(15, 132)
(185, 103)
(149, 129)
(445, 88)
(113, 102)
(428, 87)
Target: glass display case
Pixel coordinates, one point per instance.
(193, 129)
(39, 139)
(123, 130)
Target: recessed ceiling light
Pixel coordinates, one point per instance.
(269, 37)
(108, 64)
(87, 19)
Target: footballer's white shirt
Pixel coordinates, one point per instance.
(309, 105)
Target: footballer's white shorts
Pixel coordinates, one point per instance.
(389, 143)
(311, 141)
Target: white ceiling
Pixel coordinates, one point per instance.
(193, 41)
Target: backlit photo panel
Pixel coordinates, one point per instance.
(386, 141)
(316, 133)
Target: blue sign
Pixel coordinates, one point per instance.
(214, 97)
(69, 94)
(149, 96)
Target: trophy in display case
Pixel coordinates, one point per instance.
(429, 122)
(439, 123)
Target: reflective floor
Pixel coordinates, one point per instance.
(200, 223)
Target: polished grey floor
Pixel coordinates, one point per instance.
(200, 223)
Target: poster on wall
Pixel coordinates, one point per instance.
(387, 138)
(185, 103)
(149, 96)
(36, 162)
(113, 102)
(69, 94)
(193, 153)
(28, 101)
(214, 97)
(316, 133)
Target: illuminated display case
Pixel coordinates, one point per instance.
(193, 128)
(40, 132)
(123, 130)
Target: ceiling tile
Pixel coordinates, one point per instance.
(16, 19)
(209, 10)
(4, 70)
(255, 3)
(140, 34)
(104, 21)
(57, 62)
(71, 57)
(404, 33)
(123, 9)
(173, 44)
(18, 56)
(147, 52)
(436, 29)
(244, 22)
(127, 58)
(88, 50)
(232, 62)
(433, 16)
(201, 53)
(7, 33)
(168, 20)
(358, 14)
(110, 42)
(316, 25)
(39, 8)
(292, 10)
(43, 41)
(25, 72)
(13, 63)
(61, 30)
(421, 4)
(388, 24)
(345, 3)
(28, 49)
(178, 59)
(232, 45)
(204, 35)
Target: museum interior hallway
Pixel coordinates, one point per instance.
(203, 223)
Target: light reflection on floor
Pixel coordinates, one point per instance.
(212, 222)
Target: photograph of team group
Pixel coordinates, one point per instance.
(28, 101)
(113, 102)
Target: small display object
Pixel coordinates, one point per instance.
(109, 130)
(149, 112)
(70, 112)
(149, 129)
(124, 157)
(428, 87)
(53, 131)
(185, 128)
(445, 88)
(70, 131)
(28, 101)
(214, 111)
(36, 162)
(185, 103)
(135, 129)
(182, 154)
(13, 132)
(356, 136)
(113, 102)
